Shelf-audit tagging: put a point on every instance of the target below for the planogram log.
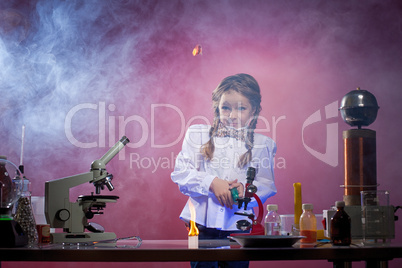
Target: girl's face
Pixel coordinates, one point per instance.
(235, 109)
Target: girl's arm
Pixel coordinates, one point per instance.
(188, 173)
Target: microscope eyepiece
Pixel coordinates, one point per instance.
(124, 140)
(250, 173)
(114, 150)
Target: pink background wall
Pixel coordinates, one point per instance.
(80, 75)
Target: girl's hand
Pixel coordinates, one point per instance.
(239, 186)
(221, 189)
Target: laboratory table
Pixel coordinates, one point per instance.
(209, 250)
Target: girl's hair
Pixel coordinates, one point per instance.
(247, 86)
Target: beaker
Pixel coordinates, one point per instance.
(377, 218)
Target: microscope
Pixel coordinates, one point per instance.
(73, 216)
(250, 191)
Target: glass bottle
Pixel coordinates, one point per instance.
(308, 224)
(272, 221)
(341, 226)
(24, 214)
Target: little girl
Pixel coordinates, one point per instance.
(214, 159)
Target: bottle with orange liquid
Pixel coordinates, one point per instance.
(308, 224)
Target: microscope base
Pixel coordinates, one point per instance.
(73, 238)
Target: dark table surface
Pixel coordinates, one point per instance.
(177, 250)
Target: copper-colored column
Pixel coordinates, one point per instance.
(360, 164)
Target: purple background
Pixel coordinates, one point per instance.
(132, 63)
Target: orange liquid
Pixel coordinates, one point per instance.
(311, 236)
